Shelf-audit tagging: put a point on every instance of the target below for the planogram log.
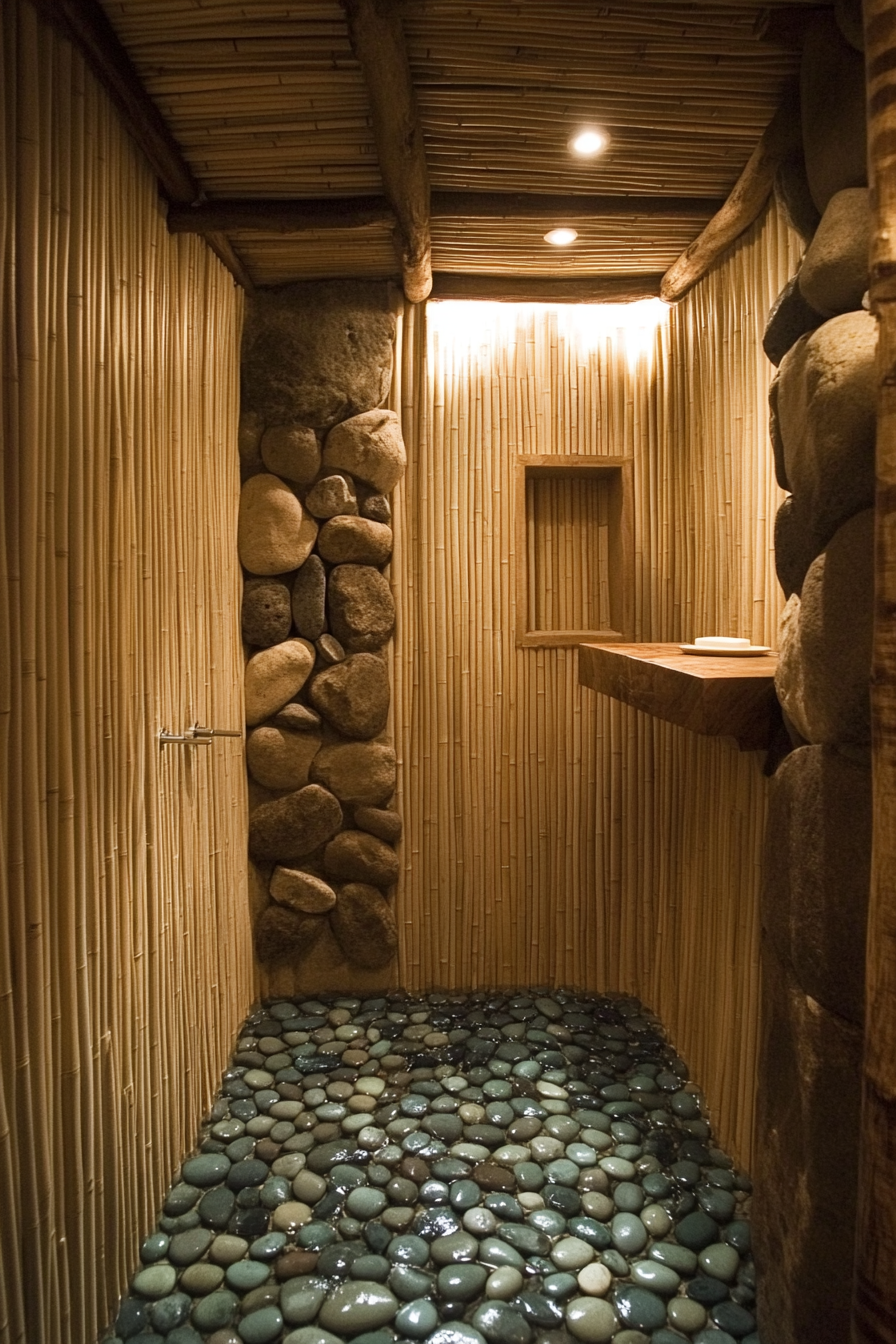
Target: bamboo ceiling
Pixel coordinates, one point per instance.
(268, 101)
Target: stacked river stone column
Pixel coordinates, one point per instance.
(816, 868)
(320, 458)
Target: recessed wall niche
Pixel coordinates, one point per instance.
(573, 550)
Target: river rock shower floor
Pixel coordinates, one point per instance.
(450, 1169)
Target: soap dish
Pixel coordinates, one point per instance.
(701, 650)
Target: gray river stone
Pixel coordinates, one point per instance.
(364, 926)
(283, 935)
(274, 534)
(293, 826)
(834, 273)
(357, 773)
(824, 664)
(826, 421)
(832, 105)
(361, 607)
(291, 451)
(353, 696)
(266, 614)
(332, 495)
(356, 541)
(317, 352)
(357, 856)
(789, 318)
(280, 759)
(309, 591)
(370, 447)
(274, 676)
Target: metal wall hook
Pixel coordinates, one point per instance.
(197, 736)
(187, 739)
(204, 734)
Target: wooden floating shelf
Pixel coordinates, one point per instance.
(720, 697)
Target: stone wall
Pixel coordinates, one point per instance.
(319, 459)
(817, 858)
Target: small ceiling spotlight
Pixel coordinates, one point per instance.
(561, 237)
(588, 142)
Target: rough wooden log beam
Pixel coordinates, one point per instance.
(541, 289)
(378, 42)
(362, 212)
(743, 206)
(874, 1301)
(85, 24)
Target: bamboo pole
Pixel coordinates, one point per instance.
(874, 1299)
(118, 870)
(378, 42)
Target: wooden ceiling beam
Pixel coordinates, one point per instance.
(362, 212)
(544, 289)
(745, 204)
(377, 40)
(86, 26)
(84, 22)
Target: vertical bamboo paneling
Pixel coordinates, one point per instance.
(124, 947)
(552, 836)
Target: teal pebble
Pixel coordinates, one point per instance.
(549, 1221)
(628, 1197)
(383, 1336)
(560, 1286)
(366, 1202)
(417, 1319)
(464, 1195)
(155, 1282)
(720, 1262)
(461, 1283)
(408, 1282)
(408, 1250)
(629, 1233)
(529, 1175)
(153, 1248)
(170, 1311)
(207, 1169)
(456, 1333)
(268, 1247)
(215, 1311)
(261, 1326)
(246, 1275)
(500, 1324)
(275, 1192)
(374, 1267)
(678, 1258)
(183, 1334)
(658, 1278)
(638, 1308)
(562, 1172)
(315, 1236)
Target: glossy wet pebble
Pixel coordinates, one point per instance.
(449, 1169)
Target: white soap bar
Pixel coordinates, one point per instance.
(721, 642)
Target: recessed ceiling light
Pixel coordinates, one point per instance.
(588, 142)
(561, 237)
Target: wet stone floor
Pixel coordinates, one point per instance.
(504, 1168)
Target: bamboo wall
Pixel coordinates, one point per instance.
(553, 836)
(124, 947)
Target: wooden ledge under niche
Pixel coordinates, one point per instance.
(719, 697)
